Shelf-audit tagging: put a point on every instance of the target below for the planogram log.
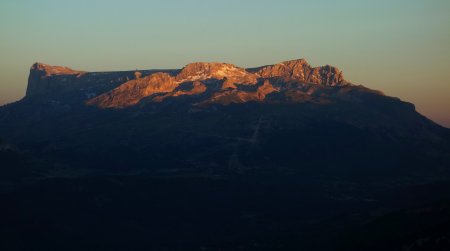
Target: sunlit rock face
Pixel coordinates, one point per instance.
(49, 70)
(301, 71)
(187, 88)
(211, 83)
(131, 92)
(203, 71)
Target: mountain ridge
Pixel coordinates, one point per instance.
(130, 90)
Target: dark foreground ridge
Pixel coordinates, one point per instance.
(218, 157)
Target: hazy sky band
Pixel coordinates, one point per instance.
(400, 47)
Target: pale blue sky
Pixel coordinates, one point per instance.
(400, 47)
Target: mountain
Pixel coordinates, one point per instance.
(46, 80)
(216, 99)
(215, 156)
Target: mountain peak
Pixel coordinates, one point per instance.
(300, 70)
(39, 73)
(50, 70)
(205, 70)
(300, 61)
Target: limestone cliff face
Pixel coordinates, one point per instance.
(301, 71)
(40, 80)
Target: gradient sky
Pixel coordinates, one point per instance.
(401, 47)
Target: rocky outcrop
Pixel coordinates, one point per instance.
(231, 74)
(40, 80)
(265, 89)
(49, 70)
(203, 71)
(301, 71)
(131, 92)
